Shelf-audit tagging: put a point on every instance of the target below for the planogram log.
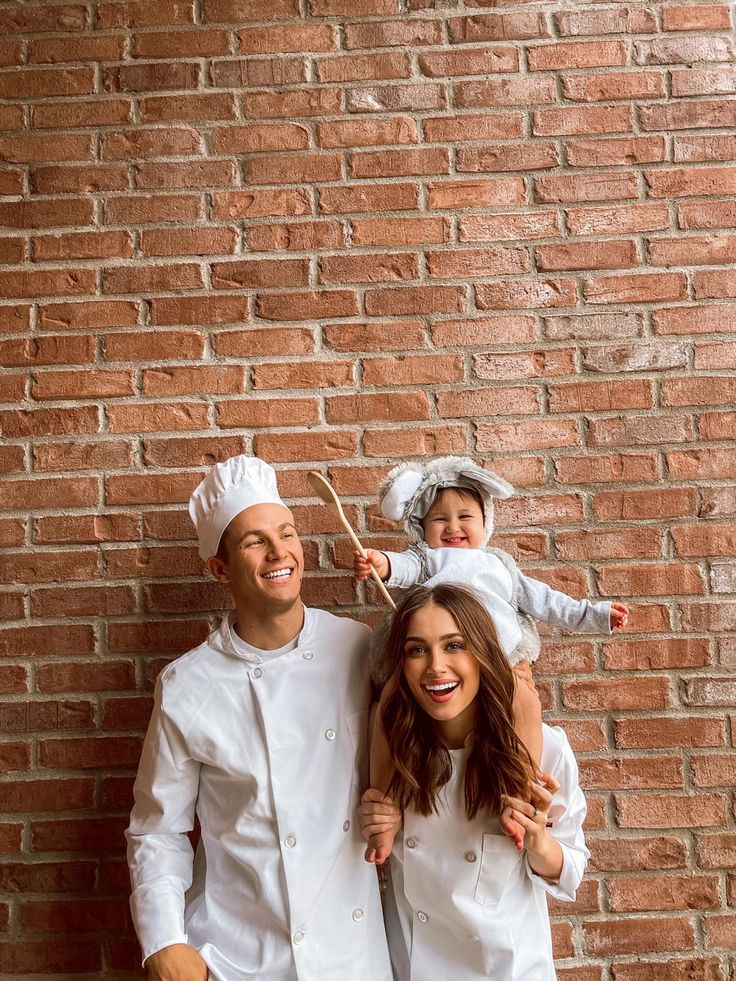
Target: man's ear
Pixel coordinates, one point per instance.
(217, 568)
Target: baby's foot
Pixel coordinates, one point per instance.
(512, 828)
(380, 846)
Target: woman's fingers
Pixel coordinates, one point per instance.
(522, 806)
(541, 797)
(548, 781)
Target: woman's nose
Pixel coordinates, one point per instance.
(437, 663)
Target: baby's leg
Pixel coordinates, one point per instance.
(527, 711)
(381, 775)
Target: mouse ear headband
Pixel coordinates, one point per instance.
(409, 490)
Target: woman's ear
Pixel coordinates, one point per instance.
(217, 569)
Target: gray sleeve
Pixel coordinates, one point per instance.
(559, 610)
(406, 568)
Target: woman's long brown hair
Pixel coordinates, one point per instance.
(498, 762)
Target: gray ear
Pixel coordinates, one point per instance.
(493, 484)
(398, 489)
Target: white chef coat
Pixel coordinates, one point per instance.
(463, 903)
(272, 755)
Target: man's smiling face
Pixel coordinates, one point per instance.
(262, 558)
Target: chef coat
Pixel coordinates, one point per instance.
(463, 903)
(272, 755)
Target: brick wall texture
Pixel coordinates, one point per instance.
(339, 234)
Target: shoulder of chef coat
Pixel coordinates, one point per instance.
(567, 814)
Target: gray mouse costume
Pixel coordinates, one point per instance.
(511, 597)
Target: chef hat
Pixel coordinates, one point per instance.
(228, 489)
(410, 489)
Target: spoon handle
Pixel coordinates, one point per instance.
(354, 538)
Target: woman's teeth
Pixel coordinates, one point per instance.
(443, 687)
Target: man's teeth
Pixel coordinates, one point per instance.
(278, 574)
(443, 687)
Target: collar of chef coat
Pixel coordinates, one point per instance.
(221, 639)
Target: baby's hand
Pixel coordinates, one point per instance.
(362, 566)
(619, 616)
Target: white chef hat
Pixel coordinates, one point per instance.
(409, 490)
(228, 489)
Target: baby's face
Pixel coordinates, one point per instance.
(455, 520)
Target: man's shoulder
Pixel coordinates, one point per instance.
(344, 627)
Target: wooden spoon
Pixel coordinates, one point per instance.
(323, 489)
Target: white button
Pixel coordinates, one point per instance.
(358, 915)
(422, 917)
(307, 655)
(473, 939)
(257, 673)
(346, 826)
(290, 841)
(470, 856)
(298, 936)
(330, 734)
(411, 843)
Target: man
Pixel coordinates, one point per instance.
(261, 731)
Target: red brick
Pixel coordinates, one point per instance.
(150, 488)
(48, 795)
(398, 443)
(87, 529)
(132, 144)
(637, 936)
(267, 413)
(656, 579)
(142, 209)
(484, 330)
(33, 148)
(187, 108)
(82, 245)
(601, 396)
(188, 241)
(83, 601)
(93, 112)
(234, 11)
(525, 294)
(127, 713)
(48, 877)
(109, 47)
(279, 38)
(518, 156)
(678, 182)
(717, 80)
(472, 403)
(47, 282)
(497, 27)
(392, 407)
(716, 851)
(14, 319)
(475, 193)
(198, 173)
(354, 68)
(532, 435)
(87, 315)
(615, 694)
(358, 8)
(618, 220)
(36, 83)
(672, 51)
(607, 153)
(622, 21)
(82, 455)
(702, 463)
(611, 86)
(640, 430)
(415, 300)
(81, 835)
(710, 539)
(577, 54)
(317, 374)
(586, 255)
(151, 279)
(372, 336)
(618, 543)
(19, 352)
(635, 894)
(255, 342)
(307, 306)
(688, 149)
(400, 163)
(581, 119)
(637, 854)
(687, 115)
(491, 126)
(362, 198)
(542, 509)
(636, 288)
(294, 102)
(239, 73)
(585, 187)
(655, 655)
(518, 91)
(47, 422)
(255, 273)
(393, 33)
(79, 956)
(154, 77)
(86, 676)
(713, 771)
(525, 364)
(46, 214)
(711, 357)
(365, 268)
(50, 567)
(645, 773)
(287, 447)
(471, 61)
(260, 203)
(670, 811)
(87, 385)
(157, 417)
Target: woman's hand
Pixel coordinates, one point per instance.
(543, 850)
(362, 566)
(378, 816)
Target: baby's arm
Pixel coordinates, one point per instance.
(559, 610)
(362, 566)
(395, 568)
(381, 775)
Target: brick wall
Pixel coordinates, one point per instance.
(357, 232)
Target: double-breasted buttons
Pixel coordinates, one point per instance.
(257, 673)
(358, 915)
(470, 857)
(290, 841)
(346, 826)
(298, 936)
(330, 734)
(308, 655)
(422, 917)
(411, 843)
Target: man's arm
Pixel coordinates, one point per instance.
(159, 851)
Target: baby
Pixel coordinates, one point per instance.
(447, 508)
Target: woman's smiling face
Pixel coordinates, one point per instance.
(443, 675)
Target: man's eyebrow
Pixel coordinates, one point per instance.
(258, 531)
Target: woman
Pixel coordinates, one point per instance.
(465, 901)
